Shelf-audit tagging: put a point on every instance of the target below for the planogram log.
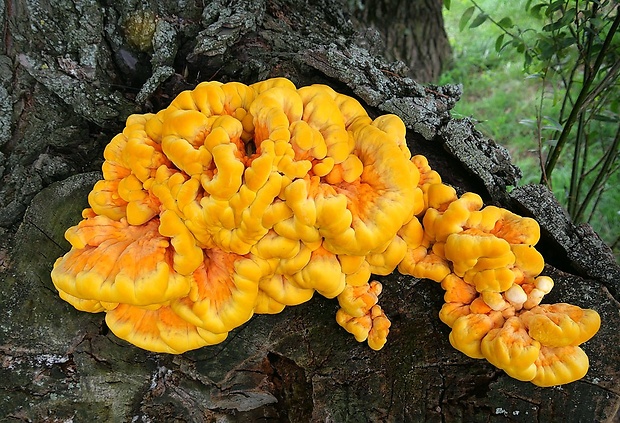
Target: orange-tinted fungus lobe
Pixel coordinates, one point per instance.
(240, 199)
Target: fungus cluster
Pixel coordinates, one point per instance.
(238, 199)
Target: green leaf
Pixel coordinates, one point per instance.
(569, 16)
(528, 122)
(467, 14)
(446, 4)
(566, 41)
(555, 5)
(527, 60)
(566, 19)
(536, 75)
(518, 44)
(551, 143)
(499, 43)
(480, 19)
(506, 23)
(553, 124)
(605, 118)
(546, 47)
(535, 11)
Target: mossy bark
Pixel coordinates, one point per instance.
(70, 77)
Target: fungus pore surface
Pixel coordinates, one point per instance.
(239, 199)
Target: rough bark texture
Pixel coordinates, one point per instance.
(411, 31)
(69, 75)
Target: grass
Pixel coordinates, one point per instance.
(501, 96)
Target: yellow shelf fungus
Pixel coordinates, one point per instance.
(240, 199)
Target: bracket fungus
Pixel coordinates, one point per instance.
(240, 199)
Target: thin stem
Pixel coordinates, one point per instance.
(568, 99)
(596, 203)
(541, 161)
(609, 79)
(577, 168)
(493, 21)
(514, 36)
(616, 243)
(580, 102)
(601, 192)
(602, 174)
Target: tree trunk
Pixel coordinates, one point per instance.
(71, 72)
(411, 31)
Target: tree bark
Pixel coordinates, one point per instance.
(71, 72)
(412, 32)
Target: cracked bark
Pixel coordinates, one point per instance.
(69, 79)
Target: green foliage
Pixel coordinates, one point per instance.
(567, 107)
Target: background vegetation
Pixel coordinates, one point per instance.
(506, 100)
